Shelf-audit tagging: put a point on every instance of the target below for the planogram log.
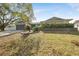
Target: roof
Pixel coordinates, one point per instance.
(20, 22)
(73, 21)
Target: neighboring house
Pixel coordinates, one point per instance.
(20, 25)
(10, 27)
(76, 23)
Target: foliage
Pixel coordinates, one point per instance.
(57, 26)
(22, 16)
(56, 22)
(36, 27)
(9, 13)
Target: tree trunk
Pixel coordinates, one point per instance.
(3, 26)
(2, 29)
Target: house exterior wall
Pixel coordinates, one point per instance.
(18, 26)
(76, 25)
(10, 28)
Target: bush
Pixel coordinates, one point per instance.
(36, 28)
(57, 26)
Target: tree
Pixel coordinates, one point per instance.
(5, 16)
(24, 11)
(12, 12)
(26, 14)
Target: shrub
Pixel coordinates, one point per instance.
(36, 28)
(57, 26)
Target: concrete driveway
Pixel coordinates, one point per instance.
(4, 33)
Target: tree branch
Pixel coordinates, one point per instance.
(1, 20)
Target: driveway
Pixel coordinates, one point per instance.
(4, 33)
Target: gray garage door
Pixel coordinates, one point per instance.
(20, 27)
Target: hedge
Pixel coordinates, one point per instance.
(57, 25)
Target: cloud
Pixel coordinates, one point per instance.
(74, 6)
(40, 10)
(47, 9)
(43, 13)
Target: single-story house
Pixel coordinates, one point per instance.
(76, 23)
(20, 25)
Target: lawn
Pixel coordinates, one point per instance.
(58, 44)
(47, 44)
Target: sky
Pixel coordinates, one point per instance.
(44, 11)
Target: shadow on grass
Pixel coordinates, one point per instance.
(63, 32)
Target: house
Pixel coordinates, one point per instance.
(20, 25)
(76, 23)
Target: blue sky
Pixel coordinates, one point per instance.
(44, 11)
